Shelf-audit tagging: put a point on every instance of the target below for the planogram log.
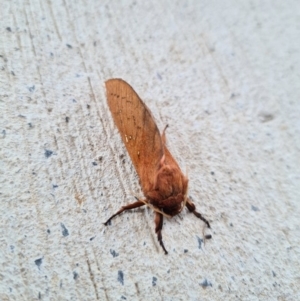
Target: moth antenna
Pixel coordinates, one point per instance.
(154, 208)
(162, 160)
(185, 198)
(163, 136)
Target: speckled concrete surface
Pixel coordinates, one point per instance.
(224, 75)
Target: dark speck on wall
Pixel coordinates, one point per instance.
(94, 163)
(205, 283)
(48, 153)
(69, 46)
(266, 117)
(67, 119)
(254, 208)
(212, 173)
(64, 231)
(32, 88)
(121, 277)
(154, 279)
(38, 262)
(75, 275)
(113, 253)
(48, 231)
(200, 241)
(123, 298)
(8, 29)
(185, 250)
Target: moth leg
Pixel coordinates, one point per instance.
(192, 208)
(163, 136)
(158, 227)
(124, 208)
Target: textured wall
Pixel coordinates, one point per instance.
(224, 75)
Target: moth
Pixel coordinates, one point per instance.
(164, 185)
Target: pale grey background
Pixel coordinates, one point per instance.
(224, 75)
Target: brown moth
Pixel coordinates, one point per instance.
(163, 183)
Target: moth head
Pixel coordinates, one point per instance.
(173, 205)
(168, 207)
